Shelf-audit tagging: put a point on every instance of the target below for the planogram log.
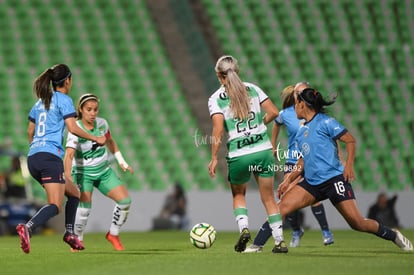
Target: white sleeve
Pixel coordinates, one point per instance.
(262, 95)
(71, 141)
(213, 107)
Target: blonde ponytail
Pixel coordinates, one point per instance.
(227, 68)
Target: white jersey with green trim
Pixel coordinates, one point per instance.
(90, 157)
(245, 136)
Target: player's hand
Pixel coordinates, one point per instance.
(349, 174)
(212, 167)
(101, 140)
(282, 188)
(127, 168)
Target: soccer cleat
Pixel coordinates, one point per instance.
(115, 241)
(72, 240)
(243, 240)
(296, 236)
(280, 248)
(402, 242)
(327, 237)
(24, 235)
(253, 249)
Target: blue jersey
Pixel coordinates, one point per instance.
(316, 141)
(50, 125)
(288, 118)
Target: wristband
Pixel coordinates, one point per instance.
(120, 159)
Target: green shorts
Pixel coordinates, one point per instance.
(260, 163)
(104, 182)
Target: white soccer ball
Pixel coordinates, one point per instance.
(202, 235)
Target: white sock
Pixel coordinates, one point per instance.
(276, 224)
(242, 222)
(81, 220)
(119, 217)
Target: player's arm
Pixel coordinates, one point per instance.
(271, 112)
(31, 131)
(216, 136)
(350, 148)
(67, 162)
(275, 134)
(114, 149)
(77, 131)
(291, 178)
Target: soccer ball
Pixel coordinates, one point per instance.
(202, 235)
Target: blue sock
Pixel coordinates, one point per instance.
(70, 213)
(293, 220)
(42, 216)
(386, 233)
(319, 213)
(265, 232)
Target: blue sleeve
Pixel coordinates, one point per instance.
(279, 118)
(66, 107)
(334, 129)
(32, 115)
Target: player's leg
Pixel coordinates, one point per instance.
(238, 176)
(318, 211)
(73, 194)
(241, 215)
(274, 218)
(112, 187)
(341, 195)
(352, 215)
(44, 166)
(86, 185)
(82, 213)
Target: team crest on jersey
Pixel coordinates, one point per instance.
(305, 148)
(102, 130)
(223, 96)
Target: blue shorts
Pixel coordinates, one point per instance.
(46, 168)
(335, 189)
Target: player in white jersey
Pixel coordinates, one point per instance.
(87, 164)
(236, 108)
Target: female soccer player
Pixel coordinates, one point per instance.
(288, 118)
(324, 175)
(47, 120)
(236, 108)
(91, 168)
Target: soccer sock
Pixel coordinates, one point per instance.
(82, 215)
(42, 216)
(293, 220)
(386, 233)
(319, 213)
(70, 213)
(242, 219)
(275, 223)
(120, 215)
(265, 232)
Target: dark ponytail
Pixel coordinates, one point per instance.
(315, 100)
(55, 76)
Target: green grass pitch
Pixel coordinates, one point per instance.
(170, 252)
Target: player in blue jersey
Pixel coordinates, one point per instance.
(287, 117)
(324, 175)
(47, 120)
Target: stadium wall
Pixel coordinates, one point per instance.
(215, 207)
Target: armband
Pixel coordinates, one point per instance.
(120, 159)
